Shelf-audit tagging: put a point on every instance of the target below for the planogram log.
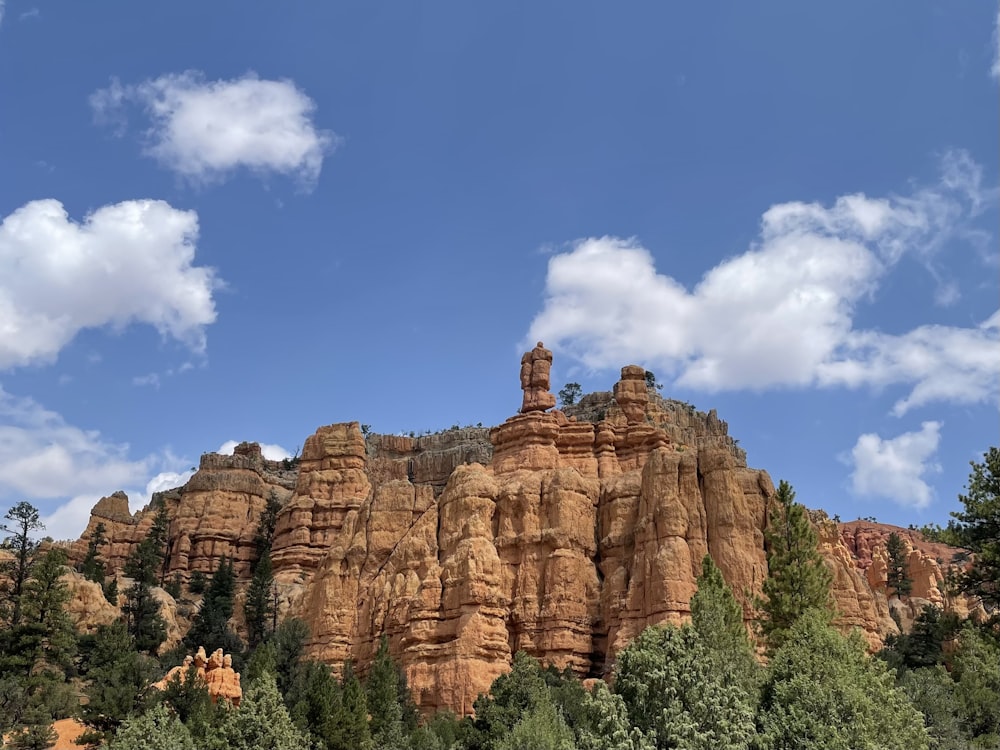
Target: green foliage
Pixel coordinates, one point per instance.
(675, 695)
(157, 729)
(896, 574)
(651, 381)
(20, 523)
(932, 692)
(923, 646)
(382, 697)
(542, 728)
(570, 394)
(45, 595)
(264, 535)
(92, 568)
(210, 627)
(146, 561)
(286, 646)
(173, 587)
(313, 700)
(259, 609)
(977, 529)
(261, 721)
(118, 681)
(197, 583)
(797, 579)
(350, 727)
(718, 619)
(609, 728)
(141, 612)
(35, 736)
(111, 591)
(823, 692)
(512, 696)
(188, 698)
(976, 671)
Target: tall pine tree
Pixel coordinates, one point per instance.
(797, 579)
(21, 521)
(210, 627)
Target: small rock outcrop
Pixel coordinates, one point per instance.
(216, 671)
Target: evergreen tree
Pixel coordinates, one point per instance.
(38, 735)
(313, 700)
(173, 587)
(382, 698)
(118, 682)
(542, 728)
(210, 627)
(147, 560)
(92, 568)
(923, 646)
(264, 535)
(21, 521)
(45, 598)
(931, 690)
(823, 692)
(157, 729)
(797, 579)
(142, 617)
(512, 697)
(262, 721)
(976, 671)
(258, 609)
(610, 728)
(197, 583)
(188, 698)
(674, 693)
(718, 619)
(348, 728)
(897, 577)
(977, 529)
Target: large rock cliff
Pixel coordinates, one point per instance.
(560, 533)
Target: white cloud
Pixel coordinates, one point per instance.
(42, 458)
(995, 68)
(270, 451)
(151, 379)
(782, 313)
(131, 262)
(894, 468)
(204, 130)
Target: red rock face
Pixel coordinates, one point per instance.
(562, 534)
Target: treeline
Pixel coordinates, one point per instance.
(700, 686)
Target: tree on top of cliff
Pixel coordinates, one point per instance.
(22, 520)
(897, 576)
(978, 530)
(718, 619)
(797, 578)
(570, 394)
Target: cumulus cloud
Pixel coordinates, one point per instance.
(782, 313)
(43, 458)
(204, 130)
(270, 451)
(131, 262)
(894, 468)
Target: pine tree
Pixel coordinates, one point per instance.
(977, 529)
(258, 609)
(22, 521)
(45, 598)
(142, 617)
(797, 579)
(210, 627)
(262, 721)
(718, 619)
(675, 694)
(897, 577)
(157, 729)
(264, 535)
(118, 682)
(382, 697)
(92, 568)
(823, 692)
(348, 728)
(147, 560)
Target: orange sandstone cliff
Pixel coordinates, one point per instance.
(560, 533)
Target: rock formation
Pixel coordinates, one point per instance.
(216, 671)
(560, 533)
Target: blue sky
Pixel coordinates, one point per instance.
(228, 221)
